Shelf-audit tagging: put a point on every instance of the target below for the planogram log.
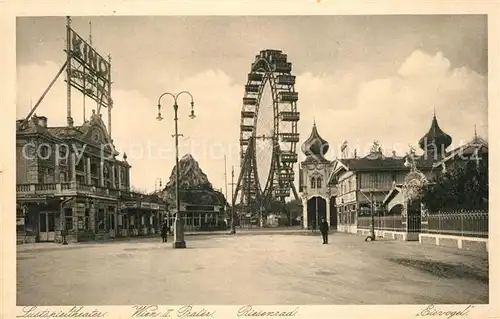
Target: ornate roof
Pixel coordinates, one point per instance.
(435, 138)
(315, 147)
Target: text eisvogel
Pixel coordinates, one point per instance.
(432, 311)
(75, 312)
(187, 311)
(249, 311)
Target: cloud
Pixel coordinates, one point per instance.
(394, 109)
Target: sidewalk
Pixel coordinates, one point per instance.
(239, 232)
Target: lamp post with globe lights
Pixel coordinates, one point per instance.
(179, 241)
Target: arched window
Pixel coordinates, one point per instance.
(318, 182)
(313, 182)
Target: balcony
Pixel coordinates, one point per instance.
(288, 96)
(282, 192)
(246, 128)
(257, 77)
(250, 101)
(252, 88)
(289, 137)
(286, 79)
(247, 114)
(288, 157)
(64, 189)
(290, 116)
(287, 176)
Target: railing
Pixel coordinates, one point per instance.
(465, 223)
(391, 222)
(63, 188)
(469, 223)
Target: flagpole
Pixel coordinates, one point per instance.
(68, 72)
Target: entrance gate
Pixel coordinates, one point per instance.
(47, 224)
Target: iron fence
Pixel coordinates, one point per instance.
(468, 223)
(390, 222)
(465, 223)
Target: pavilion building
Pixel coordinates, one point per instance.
(318, 197)
(363, 183)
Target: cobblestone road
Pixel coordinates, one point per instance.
(260, 269)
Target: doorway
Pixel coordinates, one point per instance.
(316, 210)
(47, 224)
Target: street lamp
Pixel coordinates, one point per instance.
(178, 226)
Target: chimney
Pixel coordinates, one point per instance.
(42, 121)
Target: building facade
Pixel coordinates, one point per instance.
(318, 197)
(364, 183)
(70, 180)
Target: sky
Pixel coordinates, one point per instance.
(359, 78)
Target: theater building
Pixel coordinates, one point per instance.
(364, 183)
(70, 178)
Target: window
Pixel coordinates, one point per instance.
(41, 177)
(100, 219)
(62, 177)
(80, 179)
(20, 219)
(87, 218)
(68, 218)
(44, 152)
(79, 164)
(63, 152)
(318, 182)
(106, 171)
(313, 182)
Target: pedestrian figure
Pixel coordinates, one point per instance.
(314, 227)
(323, 228)
(164, 232)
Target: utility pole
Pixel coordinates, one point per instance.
(233, 225)
(373, 217)
(225, 176)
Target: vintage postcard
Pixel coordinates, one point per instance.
(190, 160)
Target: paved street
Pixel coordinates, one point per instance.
(260, 269)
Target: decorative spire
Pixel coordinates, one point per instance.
(435, 140)
(315, 145)
(90, 33)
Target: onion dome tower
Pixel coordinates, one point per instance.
(435, 142)
(315, 147)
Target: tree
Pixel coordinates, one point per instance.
(464, 186)
(294, 208)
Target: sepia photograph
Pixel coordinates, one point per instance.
(251, 160)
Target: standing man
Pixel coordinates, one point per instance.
(323, 228)
(164, 231)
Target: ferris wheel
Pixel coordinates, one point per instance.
(268, 133)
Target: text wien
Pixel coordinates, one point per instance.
(182, 312)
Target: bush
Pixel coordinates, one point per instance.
(464, 186)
